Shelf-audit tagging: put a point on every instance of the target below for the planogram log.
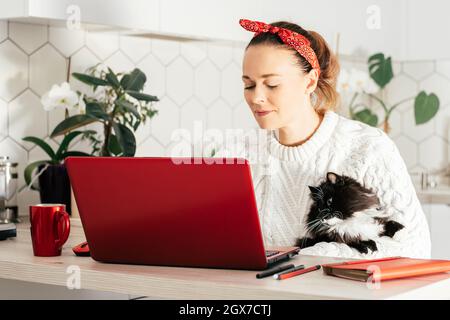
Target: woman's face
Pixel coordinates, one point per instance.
(272, 82)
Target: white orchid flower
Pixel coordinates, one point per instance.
(60, 97)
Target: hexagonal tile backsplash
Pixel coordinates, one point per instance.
(195, 81)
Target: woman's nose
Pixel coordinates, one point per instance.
(258, 95)
(259, 98)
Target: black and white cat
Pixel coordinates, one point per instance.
(345, 211)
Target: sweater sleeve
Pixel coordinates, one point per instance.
(379, 166)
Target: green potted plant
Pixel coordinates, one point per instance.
(372, 85)
(117, 102)
(54, 184)
(50, 174)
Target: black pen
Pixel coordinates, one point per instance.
(299, 267)
(274, 270)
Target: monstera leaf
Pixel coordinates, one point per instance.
(380, 69)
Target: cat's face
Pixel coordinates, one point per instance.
(339, 198)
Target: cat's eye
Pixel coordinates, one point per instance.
(329, 201)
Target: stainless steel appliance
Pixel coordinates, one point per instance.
(9, 212)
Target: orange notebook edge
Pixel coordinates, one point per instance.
(386, 273)
(360, 261)
(411, 271)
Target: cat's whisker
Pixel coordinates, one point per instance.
(316, 225)
(320, 192)
(312, 226)
(341, 216)
(312, 221)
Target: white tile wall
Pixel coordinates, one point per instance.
(196, 81)
(14, 75)
(49, 62)
(27, 36)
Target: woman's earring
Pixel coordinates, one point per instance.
(313, 98)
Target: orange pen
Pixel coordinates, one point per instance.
(296, 273)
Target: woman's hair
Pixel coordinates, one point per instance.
(327, 96)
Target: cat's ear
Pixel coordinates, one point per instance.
(312, 189)
(332, 177)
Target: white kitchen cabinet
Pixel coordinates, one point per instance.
(105, 14)
(407, 29)
(210, 19)
(220, 19)
(349, 18)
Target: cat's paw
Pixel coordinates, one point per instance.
(391, 227)
(304, 242)
(363, 246)
(371, 245)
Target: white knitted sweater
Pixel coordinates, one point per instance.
(346, 147)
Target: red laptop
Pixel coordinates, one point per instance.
(158, 211)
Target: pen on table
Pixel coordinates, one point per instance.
(274, 270)
(293, 273)
(294, 268)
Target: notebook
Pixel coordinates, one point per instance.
(386, 268)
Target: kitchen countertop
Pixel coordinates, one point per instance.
(17, 262)
(437, 195)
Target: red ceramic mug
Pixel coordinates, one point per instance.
(50, 228)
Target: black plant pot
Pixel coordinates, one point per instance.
(54, 185)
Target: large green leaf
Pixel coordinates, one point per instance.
(65, 143)
(141, 96)
(90, 80)
(380, 69)
(134, 81)
(126, 139)
(29, 171)
(128, 106)
(95, 110)
(44, 146)
(72, 123)
(112, 79)
(425, 107)
(114, 146)
(367, 117)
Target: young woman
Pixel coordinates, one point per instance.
(289, 77)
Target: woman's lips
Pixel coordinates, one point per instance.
(263, 113)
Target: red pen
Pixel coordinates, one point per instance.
(296, 273)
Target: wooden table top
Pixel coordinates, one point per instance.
(17, 262)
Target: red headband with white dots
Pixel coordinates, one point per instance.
(291, 38)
